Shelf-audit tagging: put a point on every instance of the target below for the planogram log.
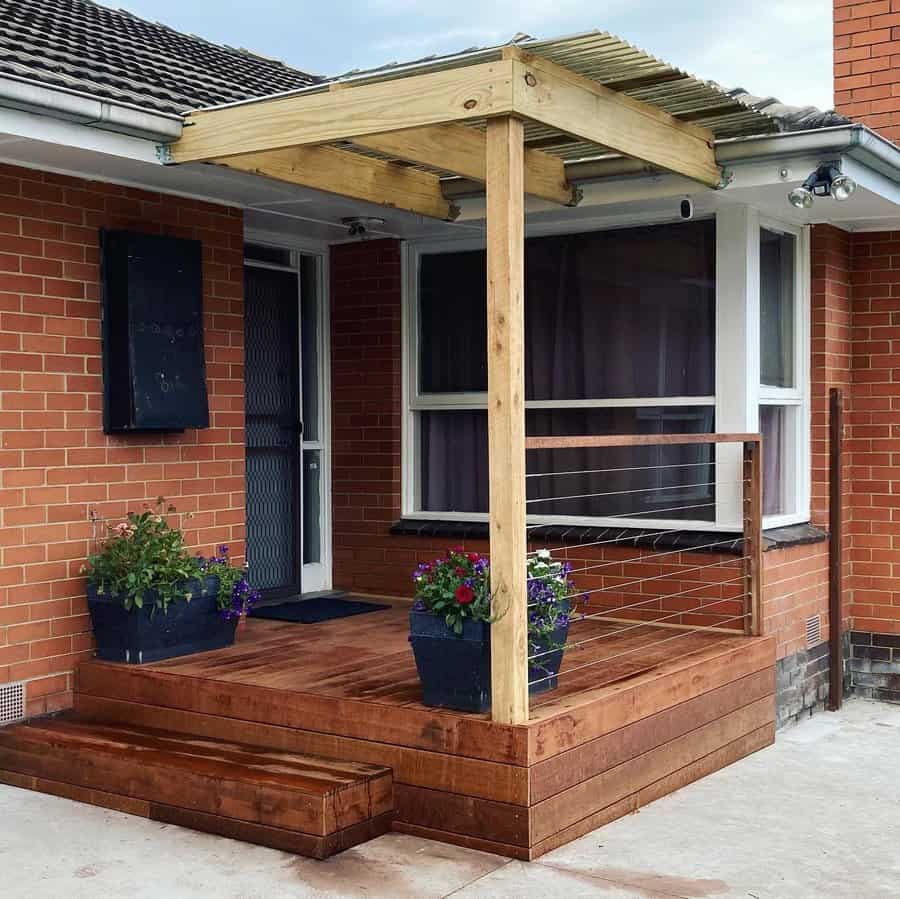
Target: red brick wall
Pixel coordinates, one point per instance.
(867, 63)
(874, 431)
(366, 313)
(55, 461)
(796, 579)
(365, 352)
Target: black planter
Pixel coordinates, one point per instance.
(455, 670)
(149, 634)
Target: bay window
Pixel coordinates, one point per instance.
(620, 330)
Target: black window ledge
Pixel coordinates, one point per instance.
(697, 541)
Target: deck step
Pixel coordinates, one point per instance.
(299, 803)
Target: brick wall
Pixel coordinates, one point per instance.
(366, 314)
(366, 404)
(867, 63)
(55, 461)
(874, 429)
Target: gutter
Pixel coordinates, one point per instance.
(858, 142)
(84, 109)
(854, 140)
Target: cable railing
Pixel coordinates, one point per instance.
(628, 606)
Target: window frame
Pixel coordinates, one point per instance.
(796, 399)
(414, 401)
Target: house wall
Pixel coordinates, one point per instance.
(874, 579)
(366, 345)
(866, 71)
(55, 462)
(867, 90)
(874, 428)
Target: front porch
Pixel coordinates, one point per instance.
(665, 677)
(611, 738)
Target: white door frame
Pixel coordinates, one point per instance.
(315, 576)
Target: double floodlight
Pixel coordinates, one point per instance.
(826, 181)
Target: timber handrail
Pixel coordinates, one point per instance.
(751, 495)
(567, 442)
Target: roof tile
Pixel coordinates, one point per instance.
(115, 55)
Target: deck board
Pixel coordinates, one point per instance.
(222, 784)
(647, 717)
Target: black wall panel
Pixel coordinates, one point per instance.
(154, 372)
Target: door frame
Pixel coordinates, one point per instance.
(312, 580)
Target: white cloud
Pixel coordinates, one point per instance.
(773, 47)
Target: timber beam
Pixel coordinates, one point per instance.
(463, 151)
(351, 175)
(523, 86)
(576, 105)
(327, 116)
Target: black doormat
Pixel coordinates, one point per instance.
(320, 608)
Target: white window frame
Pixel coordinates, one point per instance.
(798, 461)
(736, 401)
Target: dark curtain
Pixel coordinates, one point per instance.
(612, 314)
(776, 301)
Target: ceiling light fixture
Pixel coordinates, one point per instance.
(360, 225)
(826, 181)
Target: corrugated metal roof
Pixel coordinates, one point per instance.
(620, 66)
(616, 64)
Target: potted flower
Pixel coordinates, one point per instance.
(151, 599)
(450, 627)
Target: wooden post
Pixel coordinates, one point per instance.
(835, 550)
(753, 547)
(506, 417)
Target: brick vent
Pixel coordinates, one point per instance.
(12, 703)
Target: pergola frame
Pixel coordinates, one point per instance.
(419, 119)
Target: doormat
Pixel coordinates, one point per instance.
(320, 608)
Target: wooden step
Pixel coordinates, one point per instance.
(299, 803)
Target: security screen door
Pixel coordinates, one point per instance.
(283, 424)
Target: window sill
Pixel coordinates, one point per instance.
(730, 544)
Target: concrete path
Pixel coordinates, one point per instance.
(816, 815)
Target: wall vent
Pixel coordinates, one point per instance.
(12, 703)
(813, 631)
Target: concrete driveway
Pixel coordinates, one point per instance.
(816, 815)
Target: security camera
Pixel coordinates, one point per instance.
(687, 208)
(358, 225)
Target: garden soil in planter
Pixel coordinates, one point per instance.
(455, 670)
(150, 634)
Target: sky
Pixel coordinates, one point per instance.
(779, 48)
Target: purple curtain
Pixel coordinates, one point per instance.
(772, 427)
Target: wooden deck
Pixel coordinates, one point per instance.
(611, 738)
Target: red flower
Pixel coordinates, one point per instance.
(460, 571)
(473, 557)
(464, 594)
